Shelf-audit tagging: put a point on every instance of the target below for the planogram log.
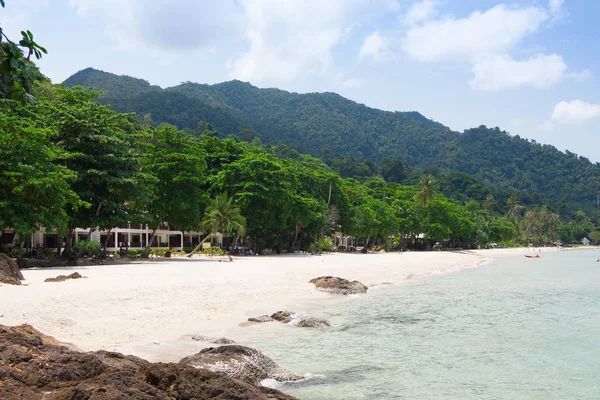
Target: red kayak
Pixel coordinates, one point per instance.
(536, 256)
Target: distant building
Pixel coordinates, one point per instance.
(131, 236)
(585, 241)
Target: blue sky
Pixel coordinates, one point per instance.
(528, 67)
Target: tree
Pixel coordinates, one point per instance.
(489, 204)
(222, 216)
(34, 182)
(540, 226)
(426, 190)
(266, 190)
(177, 166)
(102, 154)
(515, 207)
(17, 72)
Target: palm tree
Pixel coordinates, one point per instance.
(515, 207)
(489, 204)
(221, 216)
(427, 192)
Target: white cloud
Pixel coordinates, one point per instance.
(556, 7)
(291, 39)
(420, 11)
(480, 34)
(373, 46)
(152, 26)
(352, 83)
(502, 72)
(574, 112)
(15, 16)
(485, 40)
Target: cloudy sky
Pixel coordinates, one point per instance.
(530, 67)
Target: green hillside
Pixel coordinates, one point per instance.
(329, 126)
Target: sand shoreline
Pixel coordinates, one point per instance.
(129, 307)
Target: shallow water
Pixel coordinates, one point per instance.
(512, 329)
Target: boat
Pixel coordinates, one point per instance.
(529, 256)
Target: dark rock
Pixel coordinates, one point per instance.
(62, 278)
(9, 271)
(212, 339)
(282, 316)
(333, 284)
(34, 367)
(313, 323)
(240, 362)
(262, 318)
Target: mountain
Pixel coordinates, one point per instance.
(328, 125)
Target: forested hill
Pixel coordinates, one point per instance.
(328, 126)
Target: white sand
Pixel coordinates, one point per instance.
(127, 307)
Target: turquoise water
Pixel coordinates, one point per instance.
(512, 329)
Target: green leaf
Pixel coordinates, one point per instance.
(5, 67)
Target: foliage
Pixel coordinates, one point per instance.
(360, 142)
(223, 216)
(88, 247)
(17, 72)
(35, 184)
(176, 164)
(326, 244)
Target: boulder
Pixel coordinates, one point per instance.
(212, 339)
(240, 362)
(9, 271)
(333, 284)
(282, 316)
(62, 278)
(35, 367)
(313, 323)
(262, 318)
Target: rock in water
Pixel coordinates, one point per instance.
(282, 316)
(240, 362)
(334, 284)
(62, 278)
(262, 318)
(212, 339)
(9, 271)
(35, 367)
(313, 323)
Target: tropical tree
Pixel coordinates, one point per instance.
(427, 190)
(34, 183)
(515, 207)
(489, 204)
(222, 216)
(17, 72)
(102, 154)
(176, 163)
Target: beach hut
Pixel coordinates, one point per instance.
(585, 241)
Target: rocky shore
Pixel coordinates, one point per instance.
(35, 366)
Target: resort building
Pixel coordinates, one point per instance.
(131, 236)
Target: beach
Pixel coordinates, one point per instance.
(151, 309)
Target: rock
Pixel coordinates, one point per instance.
(9, 271)
(35, 367)
(332, 284)
(240, 362)
(212, 339)
(62, 278)
(313, 323)
(262, 318)
(282, 316)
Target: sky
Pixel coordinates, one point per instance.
(529, 67)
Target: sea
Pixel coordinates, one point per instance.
(511, 328)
